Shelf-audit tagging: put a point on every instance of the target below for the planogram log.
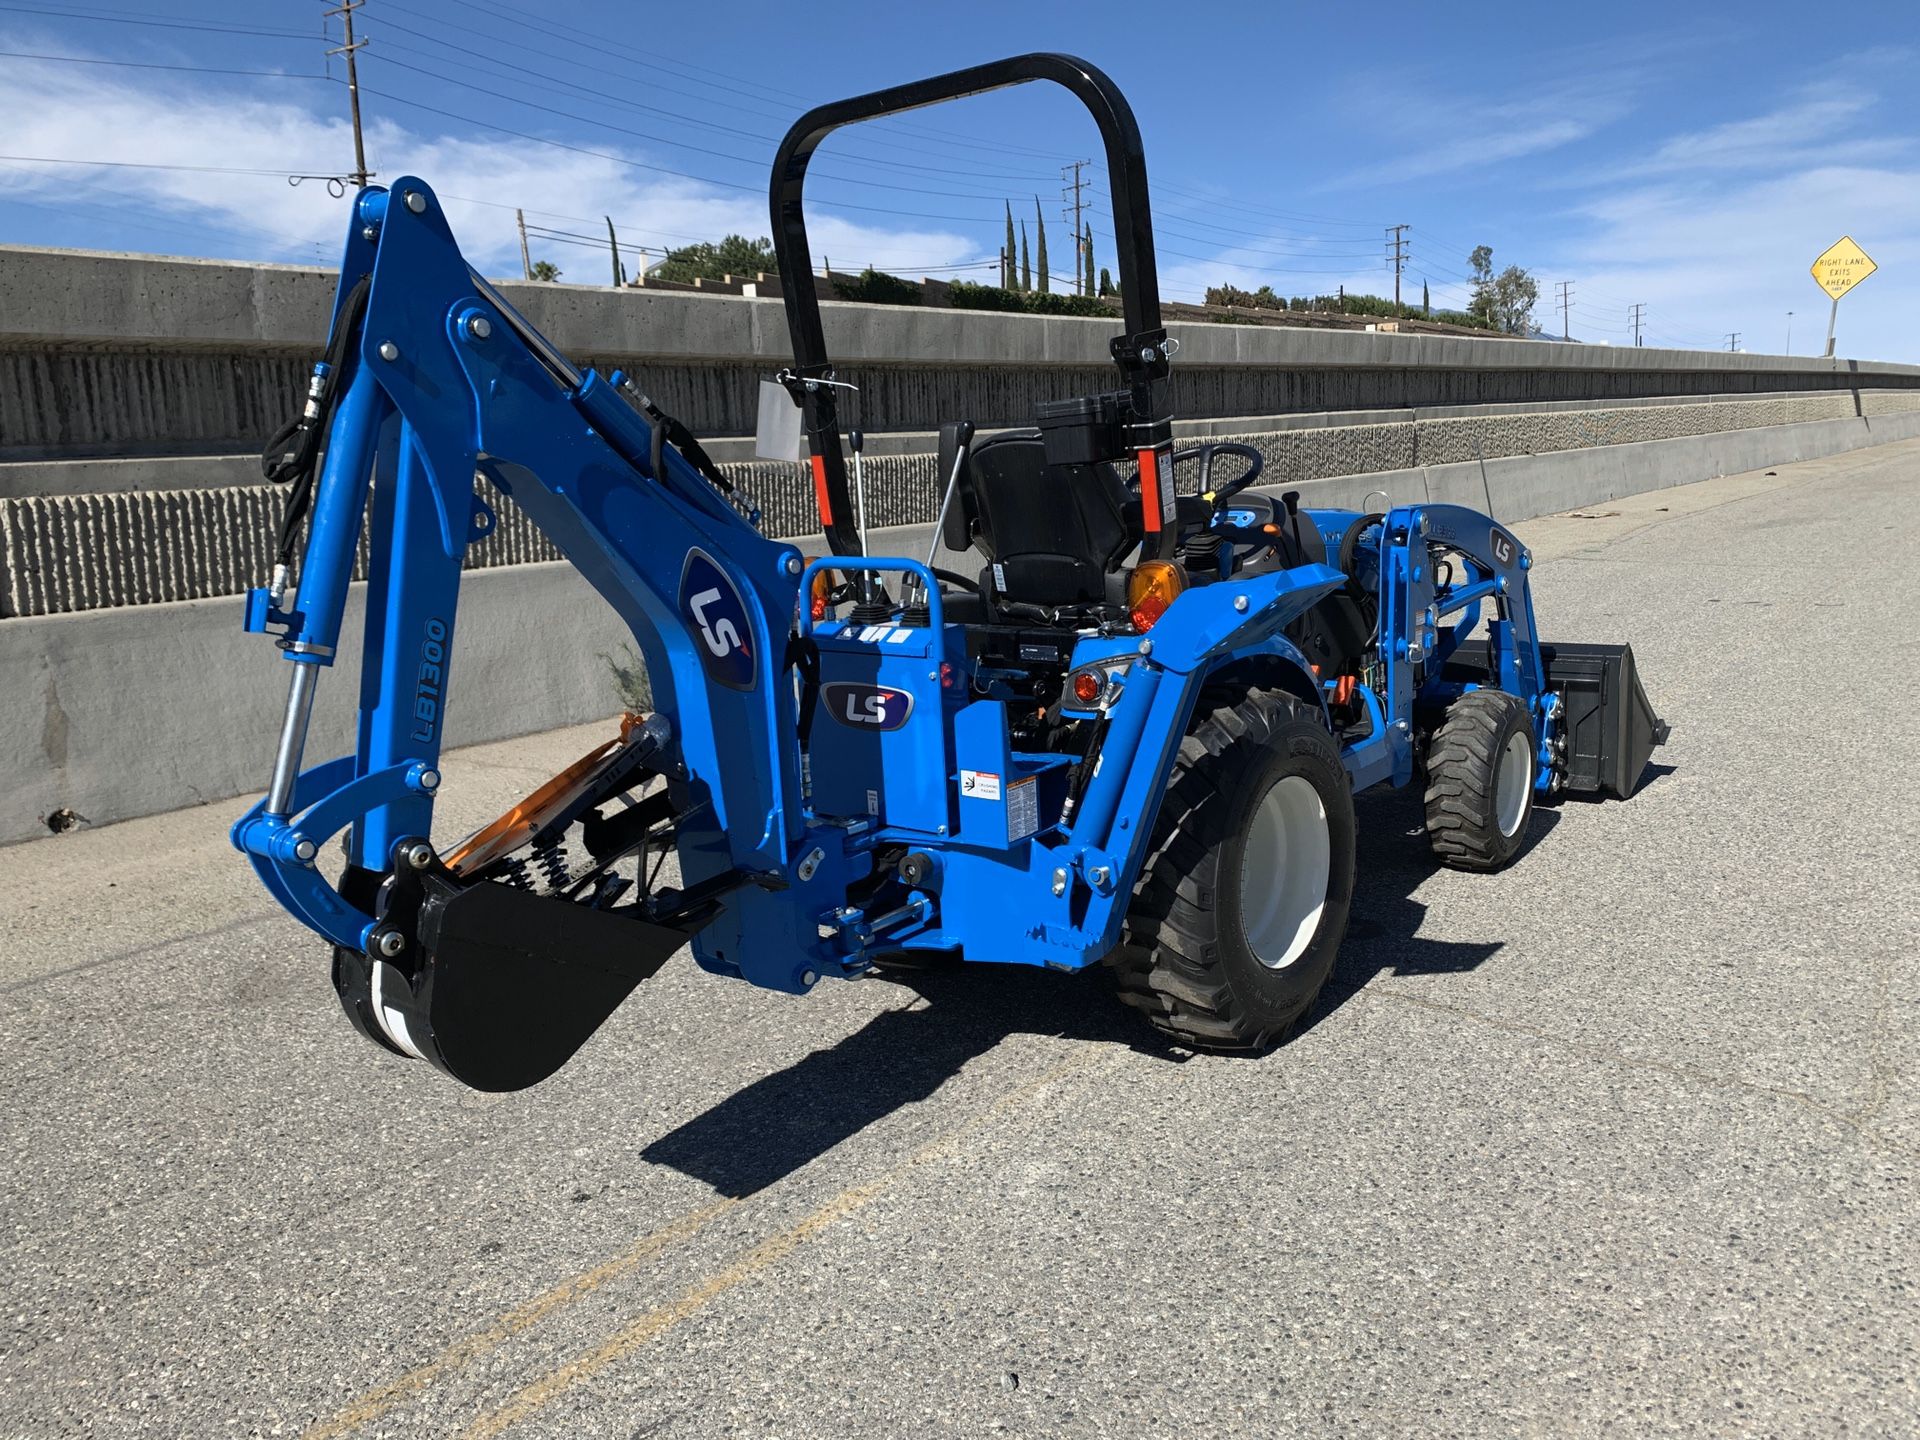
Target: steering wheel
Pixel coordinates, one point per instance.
(1205, 453)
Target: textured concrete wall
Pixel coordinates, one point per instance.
(107, 712)
(116, 354)
(66, 553)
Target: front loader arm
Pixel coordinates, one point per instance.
(442, 379)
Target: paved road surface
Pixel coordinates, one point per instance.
(1620, 1142)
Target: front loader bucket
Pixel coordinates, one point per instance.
(1611, 729)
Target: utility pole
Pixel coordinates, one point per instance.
(1789, 332)
(1566, 308)
(1733, 340)
(1397, 257)
(526, 260)
(1070, 195)
(613, 244)
(1639, 314)
(345, 11)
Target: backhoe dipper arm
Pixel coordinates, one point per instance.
(442, 379)
(1141, 353)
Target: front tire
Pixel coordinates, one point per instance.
(1244, 898)
(1481, 770)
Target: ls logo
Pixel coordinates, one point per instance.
(1502, 546)
(866, 707)
(718, 617)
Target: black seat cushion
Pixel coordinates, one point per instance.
(1052, 532)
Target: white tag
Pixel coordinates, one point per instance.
(778, 434)
(980, 784)
(1023, 809)
(873, 802)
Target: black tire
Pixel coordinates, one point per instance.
(1185, 959)
(1464, 798)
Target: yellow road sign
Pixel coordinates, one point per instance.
(1842, 267)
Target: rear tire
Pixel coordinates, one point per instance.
(1481, 769)
(1244, 898)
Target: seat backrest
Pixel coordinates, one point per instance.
(1053, 532)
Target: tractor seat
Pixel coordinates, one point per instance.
(1051, 533)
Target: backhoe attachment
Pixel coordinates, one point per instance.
(497, 957)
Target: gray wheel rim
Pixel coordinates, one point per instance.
(1284, 871)
(1513, 783)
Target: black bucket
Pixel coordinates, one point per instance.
(1610, 726)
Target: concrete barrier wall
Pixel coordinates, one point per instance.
(77, 552)
(130, 711)
(116, 355)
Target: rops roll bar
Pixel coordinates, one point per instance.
(1141, 353)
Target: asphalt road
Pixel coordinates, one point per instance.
(1620, 1142)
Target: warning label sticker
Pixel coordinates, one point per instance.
(980, 784)
(1023, 809)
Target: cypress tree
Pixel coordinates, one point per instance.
(1088, 269)
(1026, 262)
(1426, 301)
(1006, 269)
(1046, 282)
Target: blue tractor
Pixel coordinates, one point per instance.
(1126, 734)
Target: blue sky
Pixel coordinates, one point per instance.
(1690, 158)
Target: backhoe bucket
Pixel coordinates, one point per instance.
(1610, 726)
(504, 985)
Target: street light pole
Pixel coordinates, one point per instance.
(1789, 332)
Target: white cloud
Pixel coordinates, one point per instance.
(1707, 259)
(79, 113)
(1817, 125)
(1409, 110)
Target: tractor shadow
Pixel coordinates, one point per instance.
(778, 1124)
(1383, 935)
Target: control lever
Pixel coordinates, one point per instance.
(1292, 501)
(956, 439)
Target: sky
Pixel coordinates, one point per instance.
(1690, 159)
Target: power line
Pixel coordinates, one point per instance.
(755, 161)
(608, 97)
(157, 65)
(643, 165)
(597, 44)
(146, 165)
(122, 18)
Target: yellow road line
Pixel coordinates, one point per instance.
(465, 1351)
(655, 1323)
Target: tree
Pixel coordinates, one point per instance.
(1107, 286)
(1426, 301)
(545, 270)
(1504, 301)
(1515, 293)
(1026, 263)
(1480, 262)
(735, 255)
(1087, 240)
(1040, 223)
(1006, 266)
